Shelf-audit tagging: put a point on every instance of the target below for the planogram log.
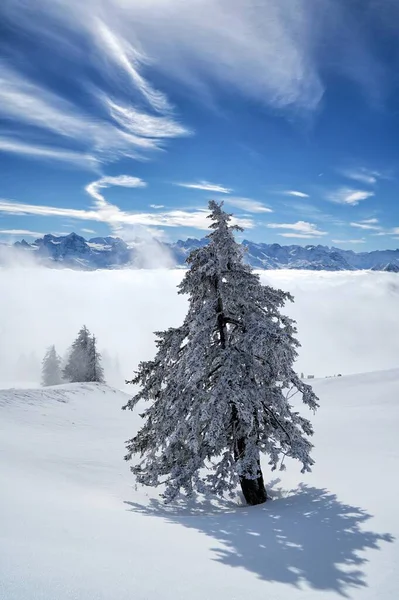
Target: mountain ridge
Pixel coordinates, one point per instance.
(109, 252)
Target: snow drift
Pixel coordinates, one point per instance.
(74, 527)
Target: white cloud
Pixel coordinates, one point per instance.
(26, 232)
(112, 215)
(123, 131)
(20, 208)
(300, 229)
(266, 50)
(157, 206)
(353, 241)
(249, 205)
(15, 146)
(348, 196)
(207, 186)
(121, 52)
(296, 193)
(371, 221)
(144, 124)
(88, 230)
(367, 225)
(362, 175)
(119, 181)
(303, 236)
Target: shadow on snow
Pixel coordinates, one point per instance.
(307, 537)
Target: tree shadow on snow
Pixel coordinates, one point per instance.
(307, 537)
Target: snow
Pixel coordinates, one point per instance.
(74, 528)
(101, 247)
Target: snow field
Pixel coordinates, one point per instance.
(73, 526)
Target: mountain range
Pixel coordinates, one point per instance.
(74, 251)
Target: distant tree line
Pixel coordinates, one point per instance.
(83, 362)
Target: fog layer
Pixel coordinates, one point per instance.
(347, 322)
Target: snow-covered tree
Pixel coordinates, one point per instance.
(84, 361)
(95, 372)
(51, 368)
(76, 368)
(221, 385)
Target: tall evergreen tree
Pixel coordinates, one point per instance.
(77, 366)
(221, 385)
(95, 372)
(51, 368)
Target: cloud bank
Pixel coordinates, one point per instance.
(123, 308)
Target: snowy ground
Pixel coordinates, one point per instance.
(74, 528)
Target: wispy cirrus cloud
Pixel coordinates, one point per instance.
(93, 189)
(78, 159)
(300, 229)
(249, 205)
(296, 193)
(387, 232)
(269, 51)
(348, 196)
(366, 176)
(112, 215)
(372, 221)
(120, 51)
(25, 232)
(376, 229)
(350, 241)
(106, 212)
(362, 175)
(367, 224)
(308, 211)
(131, 121)
(206, 186)
(272, 51)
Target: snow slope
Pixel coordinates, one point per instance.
(74, 528)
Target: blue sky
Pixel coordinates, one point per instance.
(125, 117)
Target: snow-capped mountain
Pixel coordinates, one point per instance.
(74, 251)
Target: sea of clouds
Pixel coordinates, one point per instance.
(348, 322)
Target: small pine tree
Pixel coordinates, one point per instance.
(76, 368)
(95, 372)
(51, 368)
(221, 384)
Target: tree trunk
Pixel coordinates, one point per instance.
(254, 490)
